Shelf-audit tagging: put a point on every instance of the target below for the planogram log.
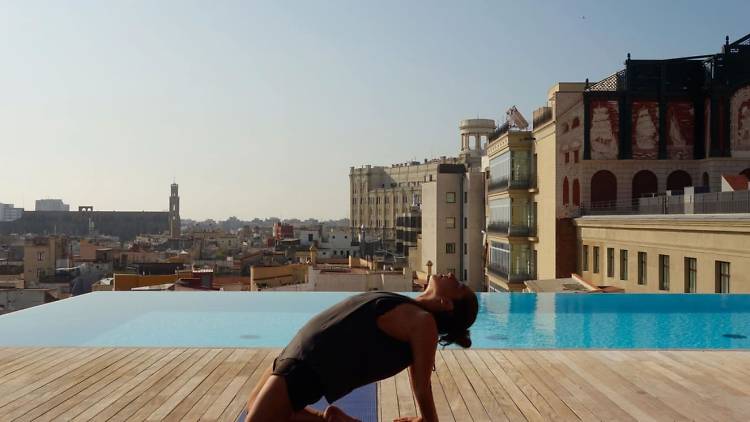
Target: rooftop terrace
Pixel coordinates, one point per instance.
(187, 384)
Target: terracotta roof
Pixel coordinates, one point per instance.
(736, 181)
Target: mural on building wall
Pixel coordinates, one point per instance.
(605, 127)
(681, 130)
(645, 127)
(740, 122)
(569, 141)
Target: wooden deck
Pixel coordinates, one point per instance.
(121, 384)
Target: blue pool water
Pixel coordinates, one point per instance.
(242, 319)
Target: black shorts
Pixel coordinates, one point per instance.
(302, 384)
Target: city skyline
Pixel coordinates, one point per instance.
(259, 110)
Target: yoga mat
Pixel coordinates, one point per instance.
(361, 403)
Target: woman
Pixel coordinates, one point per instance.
(365, 338)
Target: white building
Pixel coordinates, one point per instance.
(10, 213)
(51, 205)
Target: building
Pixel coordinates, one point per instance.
(9, 213)
(41, 259)
(511, 210)
(282, 231)
(17, 299)
(672, 253)
(175, 225)
(436, 208)
(51, 205)
(654, 127)
(126, 225)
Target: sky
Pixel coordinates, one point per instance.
(259, 109)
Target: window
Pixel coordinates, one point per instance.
(567, 157)
(466, 275)
(466, 197)
(40, 256)
(642, 268)
(450, 222)
(451, 271)
(466, 222)
(309, 237)
(575, 156)
(450, 197)
(663, 272)
(466, 248)
(596, 260)
(722, 277)
(610, 262)
(450, 247)
(691, 274)
(585, 258)
(624, 264)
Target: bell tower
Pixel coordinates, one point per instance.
(174, 213)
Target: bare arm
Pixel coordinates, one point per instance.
(423, 344)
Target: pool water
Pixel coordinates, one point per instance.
(505, 320)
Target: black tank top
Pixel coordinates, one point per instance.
(344, 346)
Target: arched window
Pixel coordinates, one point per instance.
(566, 192)
(678, 180)
(576, 193)
(645, 183)
(603, 189)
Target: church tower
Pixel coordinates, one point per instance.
(174, 213)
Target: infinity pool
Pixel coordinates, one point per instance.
(506, 320)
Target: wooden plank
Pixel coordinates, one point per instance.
(219, 404)
(561, 410)
(122, 391)
(83, 399)
(465, 388)
(486, 398)
(406, 405)
(452, 395)
(24, 358)
(599, 404)
(523, 403)
(31, 365)
(510, 410)
(441, 401)
(681, 400)
(537, 399)
(68, 385)
(388, 402)
(240, 399)
(170, 396)
(207, 378)
(632, 399)
(235, 363)
(166, 378)
(51, 372)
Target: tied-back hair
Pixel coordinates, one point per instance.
(453, 326)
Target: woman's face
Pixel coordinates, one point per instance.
(446, 285)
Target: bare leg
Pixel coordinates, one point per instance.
(269, 401)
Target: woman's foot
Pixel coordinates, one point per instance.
(334, 414)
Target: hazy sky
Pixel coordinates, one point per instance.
(259, 109)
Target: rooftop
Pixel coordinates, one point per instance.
(212, 384)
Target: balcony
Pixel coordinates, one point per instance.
(506, 229)
(515, 277)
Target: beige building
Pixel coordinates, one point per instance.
(511, 211)
(452, 214)
(42, 256)
(688, 253)
(378, 195)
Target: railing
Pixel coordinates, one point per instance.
(512, 278)
(706, 203)
(541, 116)
(517, 182)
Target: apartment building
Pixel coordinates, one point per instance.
(379, 195)
(51, 205)
(41, 257)
(653, 128)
